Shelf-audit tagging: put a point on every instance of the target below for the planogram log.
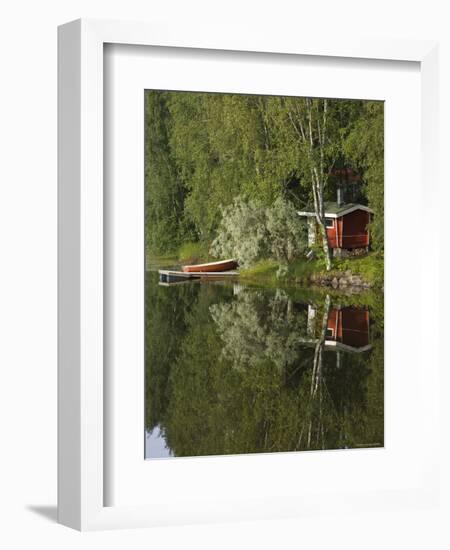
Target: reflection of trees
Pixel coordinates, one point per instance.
(249, 378)
(256, 327)
(317, 381)
(318, 351)
(165, 326)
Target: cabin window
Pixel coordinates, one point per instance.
(329, 222)
(329, 333)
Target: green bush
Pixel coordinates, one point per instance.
(371, 267)
(287, 233)
(242, 233)
(250, 232)
(263, 271)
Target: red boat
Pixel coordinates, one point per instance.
(212, 267)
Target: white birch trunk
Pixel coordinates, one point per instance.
(314, 137)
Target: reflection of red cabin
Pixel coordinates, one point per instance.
(348, 327)
(347, 225)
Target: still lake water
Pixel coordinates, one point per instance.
(235, 369)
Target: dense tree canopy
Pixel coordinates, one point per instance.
(203, 150)
(364, 147)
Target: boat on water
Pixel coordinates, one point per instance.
(211, 267)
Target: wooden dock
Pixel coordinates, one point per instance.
(169, 276)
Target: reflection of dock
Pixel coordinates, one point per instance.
(167, 276)
(332, 345)
(163, 282)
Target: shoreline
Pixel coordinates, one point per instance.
(354, 275)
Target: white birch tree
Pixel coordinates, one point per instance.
(316, 138)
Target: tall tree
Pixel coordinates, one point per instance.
(164, 190)
(364, 146)
(317, 135)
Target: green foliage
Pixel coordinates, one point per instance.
(303, 269)
(203, 150)
(364, 147)
(370, 267)
(266, 271)
(216, 140)
(287, 233)
(249, 231)
(242, 233)
(263, 271)
(193, 251)
(164, 189)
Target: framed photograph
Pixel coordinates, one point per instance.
(235, 316)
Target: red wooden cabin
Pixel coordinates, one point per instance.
(347, 225)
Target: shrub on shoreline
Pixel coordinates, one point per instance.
(250, 232)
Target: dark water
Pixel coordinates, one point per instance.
(242, 369)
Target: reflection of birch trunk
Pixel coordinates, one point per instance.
(318, 351)
(311, 327)
(316, 377)
(289, 308)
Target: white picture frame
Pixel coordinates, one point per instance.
(81, 361)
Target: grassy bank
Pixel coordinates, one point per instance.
(188, 253)
(299, 272)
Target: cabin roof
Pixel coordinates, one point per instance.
(333, 210)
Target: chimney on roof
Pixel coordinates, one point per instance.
(340, 195)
